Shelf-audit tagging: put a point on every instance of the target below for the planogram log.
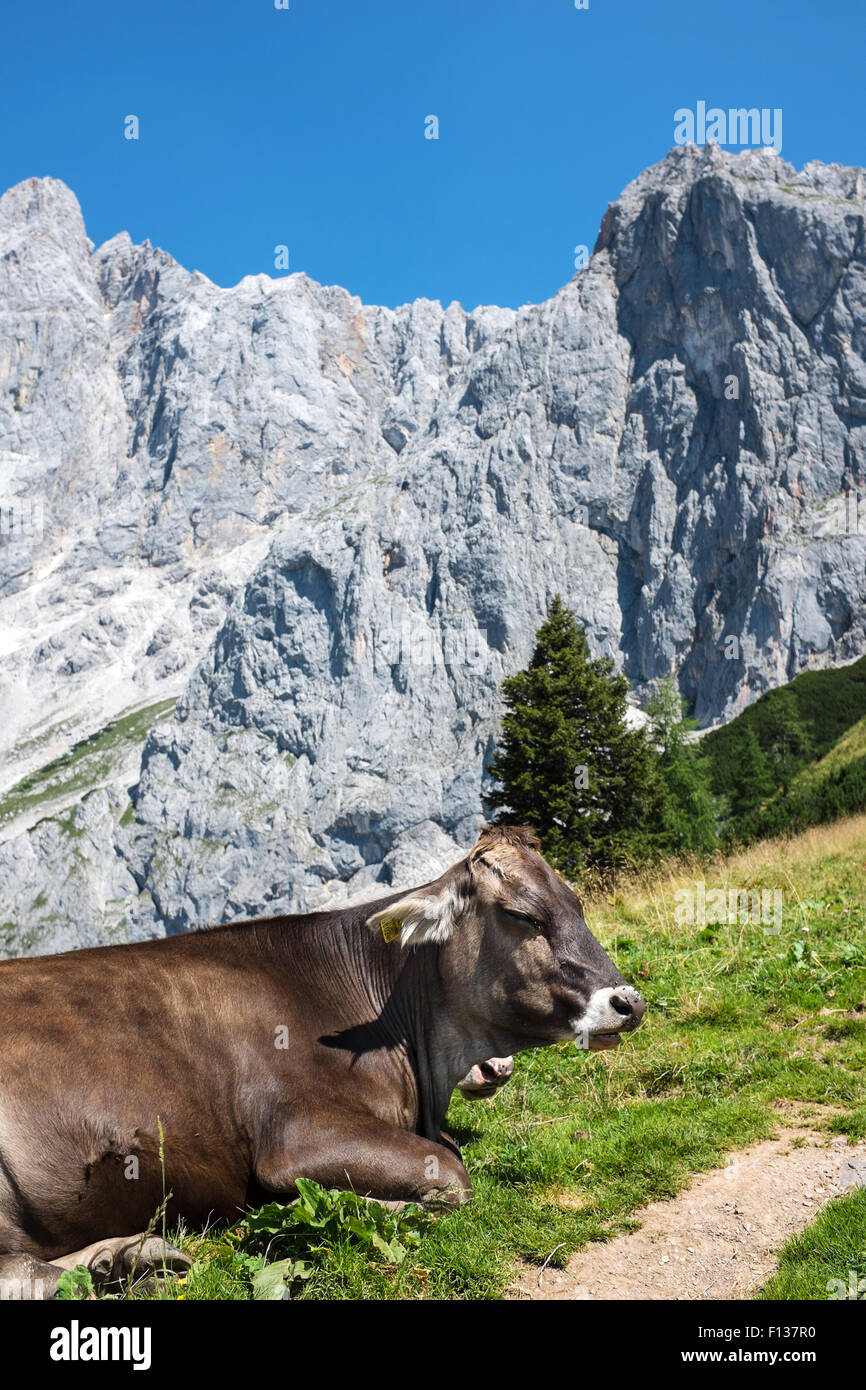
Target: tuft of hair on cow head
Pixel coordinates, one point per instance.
(431, 914)
(500, 847)
(428, 915)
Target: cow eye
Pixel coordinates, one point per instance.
(525, 919)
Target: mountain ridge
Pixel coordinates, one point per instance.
(331, 528)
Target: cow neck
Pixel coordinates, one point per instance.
(381, 998)
(413, 1008)
(410, 1000)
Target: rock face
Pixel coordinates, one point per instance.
(331, 529)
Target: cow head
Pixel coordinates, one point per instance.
(519, 966)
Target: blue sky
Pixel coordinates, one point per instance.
(305, 127)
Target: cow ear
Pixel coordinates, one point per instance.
(419, 918)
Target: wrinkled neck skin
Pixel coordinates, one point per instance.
(421, 1028)
(400, 1004)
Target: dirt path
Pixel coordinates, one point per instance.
(718, 1238)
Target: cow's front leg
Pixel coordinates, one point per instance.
(111, 1263)
(370, 1158)
(143, 1260)
(26, 1277)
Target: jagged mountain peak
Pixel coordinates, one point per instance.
(42, 200)
(332, 528)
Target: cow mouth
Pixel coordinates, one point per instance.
(486, 1078)
(607, 1013)
(599, 1040)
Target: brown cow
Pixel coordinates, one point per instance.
(324, 1046)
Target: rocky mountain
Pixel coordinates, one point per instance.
(328, 530)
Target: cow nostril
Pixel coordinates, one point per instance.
(489, 1072)
(621, 1004)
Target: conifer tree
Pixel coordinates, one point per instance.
(689, 816)
(753, 780)
(568, 764)
(791, 743)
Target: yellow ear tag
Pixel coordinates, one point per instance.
(391, 928)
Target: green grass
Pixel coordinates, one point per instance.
(89, 763)
(576, 1143)
(828, 1259)
(847, 749)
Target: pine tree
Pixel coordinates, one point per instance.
(791, 742)
(567, 763)
(689, 816)
(753, 779)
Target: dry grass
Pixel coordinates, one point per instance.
(789, 863)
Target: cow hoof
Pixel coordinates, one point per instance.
(154, 1256)
(145, 1262)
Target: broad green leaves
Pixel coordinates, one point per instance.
(317, 1220)
(74, 1284)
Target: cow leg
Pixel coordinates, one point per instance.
(110, 1263)
(372, 1159)
(27, 1278)
(120, 1258)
